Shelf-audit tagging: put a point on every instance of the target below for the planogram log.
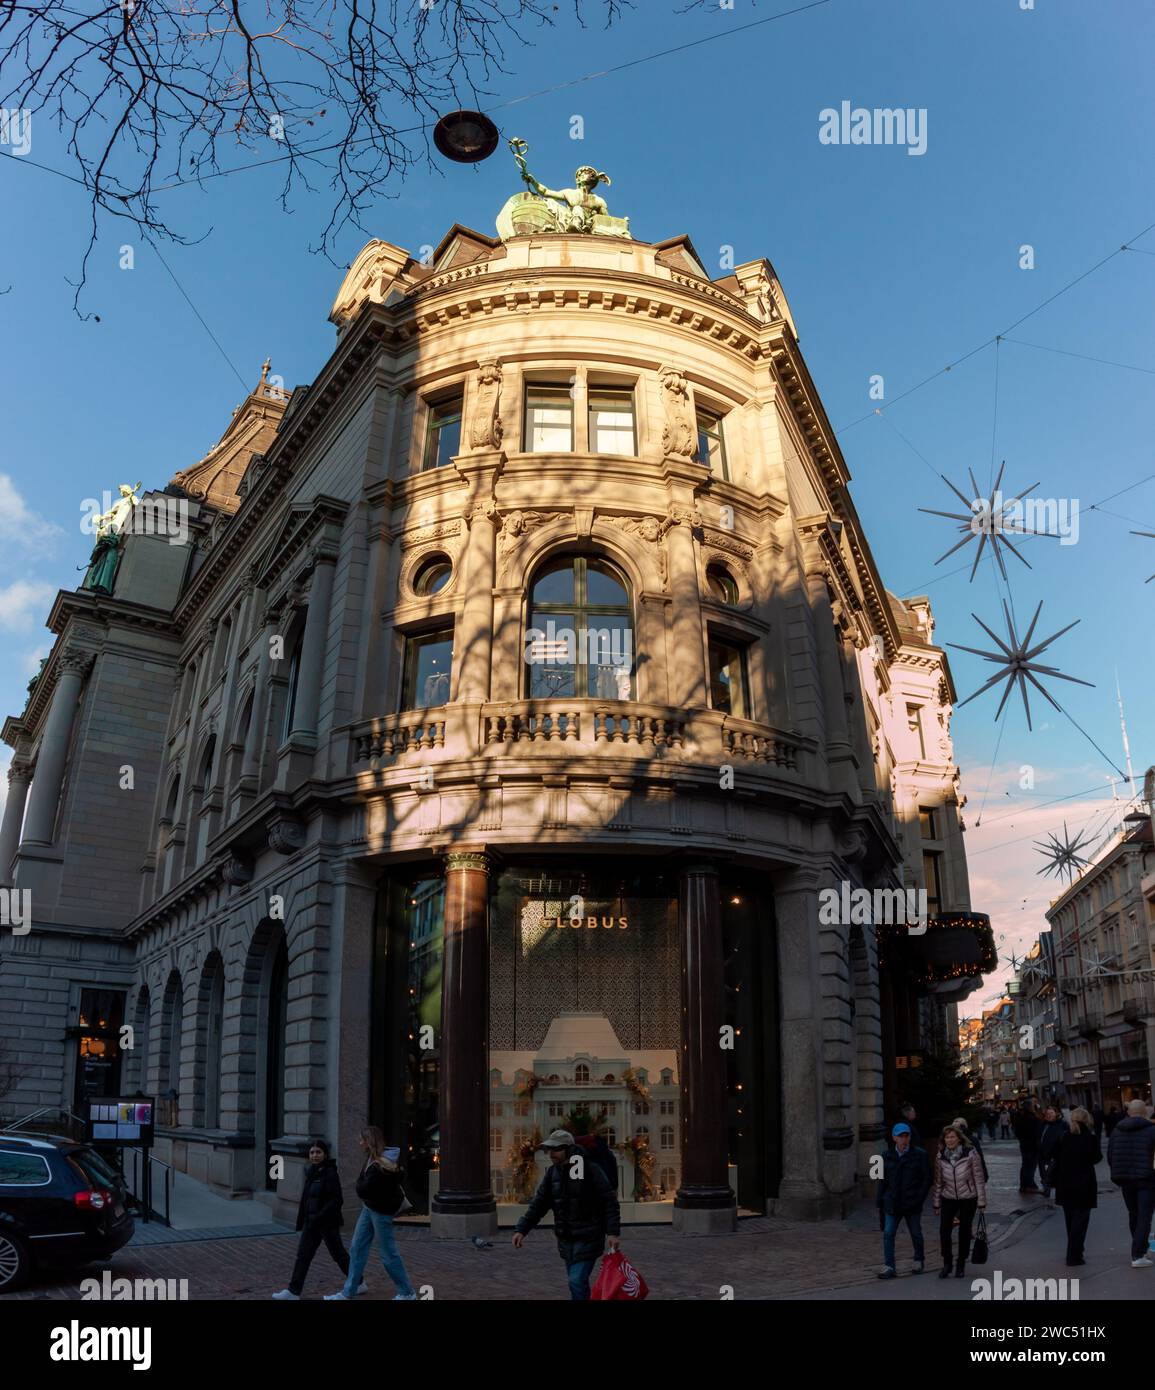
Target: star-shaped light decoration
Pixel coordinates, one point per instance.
(989, 519)
(1018, 662)
(1095, 964)
(1063, 857)
(1152, 535)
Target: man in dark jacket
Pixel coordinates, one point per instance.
(1026, 1126)
(907, 1115)
(585, 1210)
(1051, 1131)
(905, 1184)
(1131, 1157)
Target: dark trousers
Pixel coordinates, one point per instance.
(965, 1211)
(1140, 1199)
(1077, 1219)
(311, 1238)
(1030, 1159)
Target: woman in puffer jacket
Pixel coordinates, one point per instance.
(960, 1190)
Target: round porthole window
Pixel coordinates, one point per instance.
(432, 576)
(722, 585)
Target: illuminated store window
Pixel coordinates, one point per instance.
(427, 668)
(548, 420)
(443, 434)
(579, 640)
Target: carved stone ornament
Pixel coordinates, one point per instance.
(286, 834)
(238, 869)
(678, 436)
(456, 860)
(852, 845)
(73, 659)
(485, 427)
(20, 770)
(515, 525)
(652, 530)
(434, 532)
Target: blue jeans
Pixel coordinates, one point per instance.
(371, 1223)
(913, 1225)
(579, 1278)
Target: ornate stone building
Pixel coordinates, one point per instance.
(529, 665)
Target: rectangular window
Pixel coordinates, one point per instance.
(495, 1145)
(521, 1107)
(914, 724)
(611, 417)
(933, 880)
(443, 435)
(495, 1110)
(711, 445)
(729, 689)
(926, 823)
(666, 1107)
(427, 668)
(548, 420)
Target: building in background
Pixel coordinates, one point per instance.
(524, 678)
(1104, 961)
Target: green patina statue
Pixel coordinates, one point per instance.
(109, 527)
(543, 209)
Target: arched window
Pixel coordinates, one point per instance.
(642, 1132)
(581, 1075)
(667, 1180)
(580, 638)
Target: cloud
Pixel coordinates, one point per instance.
(19, 525)
(24, 604)
(32, 660)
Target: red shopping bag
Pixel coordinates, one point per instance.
(618, 1279)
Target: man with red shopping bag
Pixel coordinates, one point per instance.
(585, 1210)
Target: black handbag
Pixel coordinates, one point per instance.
(980, 1249)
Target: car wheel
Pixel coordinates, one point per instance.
(13, 1263)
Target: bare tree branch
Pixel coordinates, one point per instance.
(150, 94)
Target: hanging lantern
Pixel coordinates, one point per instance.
(466, 137)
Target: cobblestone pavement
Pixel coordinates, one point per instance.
(767, 1258)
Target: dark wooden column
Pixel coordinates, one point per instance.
(704, 1201)
(464, 1202)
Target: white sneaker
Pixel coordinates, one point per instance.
(288, 1296)
(1143, 1263)
(339, 1297)
(412, 1297)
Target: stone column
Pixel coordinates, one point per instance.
(687, 672)
(255, 737)
(704, 1204)
(802, 1193)
(839, 754)
(464, 1204)
(473, 634)
(312, 656)
(19, 778)
(54, 744)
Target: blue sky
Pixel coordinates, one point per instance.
(1037, 130)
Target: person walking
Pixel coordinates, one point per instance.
(1072, 1172)
(907, 1115)
(586, 1215)
(961, 1125)
(1111, 1119)
(1050, 1132)
(1098, 1117)
(1004, 1123)
(318, 1219)
(1131, 1157)
(906, 1181)
(959, 1189)
(991, 1119)
(379, 1188)
(1026, 1127)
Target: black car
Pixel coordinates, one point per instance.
(60, 1204)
